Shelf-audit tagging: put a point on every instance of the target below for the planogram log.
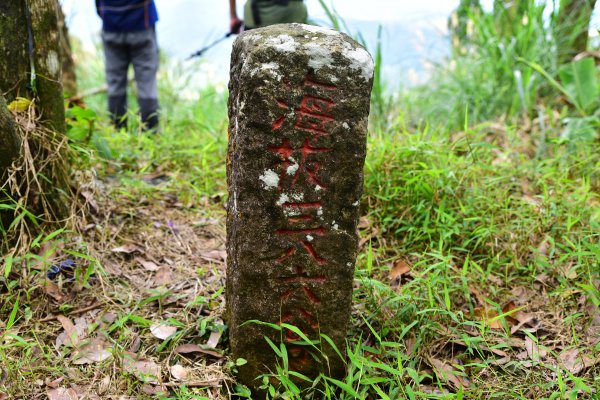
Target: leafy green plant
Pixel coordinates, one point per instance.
(580, 81)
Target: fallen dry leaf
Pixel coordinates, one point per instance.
(146, 371)
(52, 290)
(448, 373)
(162, 331)
(106, 320)
(518, 318)
(569, 271)
(534, 352)
(94, 351)
(180, 372)
(214, 255)
(163, 276)
(89, 199)
(148, 265)
(135, 345)
(399, 268)
(128, 248)
(62, 394)
(69, 337)
(489, 317)
(575, 362)
(520, 293)
(194, 348)
(364, 223)
(155, 390)
(410, 343)
(213, 340)
(55, 383)
(104, 385)
(479, 299)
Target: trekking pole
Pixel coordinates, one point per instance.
(210, 46)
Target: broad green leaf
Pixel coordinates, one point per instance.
(344, 386)
(580, 81)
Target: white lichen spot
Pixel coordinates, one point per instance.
(320, 211)
(298, 196)
(270, 179)
(360, 60)
(292, 169)
(319, 56)
(309, 238)
(346, 126)
(335, 226)
(273, 69)
(349, 264)
(320, 29)
(333, 79)
(356, 203)
(292, 212)
(283, 43)
(53, 63)
(283, 199)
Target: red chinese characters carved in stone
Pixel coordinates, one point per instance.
(315, 112)
(299, 162)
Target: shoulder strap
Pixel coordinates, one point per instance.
(255, 13)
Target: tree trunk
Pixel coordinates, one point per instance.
(572, 28)
(48, 69)
(14, 65)
(10, 144)
(30, 67)
(69, 77)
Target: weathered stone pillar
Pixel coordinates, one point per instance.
(298, 111)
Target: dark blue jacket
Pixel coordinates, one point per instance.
(127, 15)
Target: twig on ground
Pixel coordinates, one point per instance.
(74, 312)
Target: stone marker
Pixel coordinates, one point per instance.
(298, 111)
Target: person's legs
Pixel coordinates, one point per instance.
(144, 51)
(117, 60)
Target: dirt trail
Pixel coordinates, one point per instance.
(149, 317)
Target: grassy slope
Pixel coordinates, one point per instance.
(478, 276)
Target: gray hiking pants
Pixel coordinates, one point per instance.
(139, 49)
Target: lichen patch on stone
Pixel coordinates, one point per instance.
(360, 60)
(319, 56)
(270, 179)
(283, 43)
(272, 68)
(298, 196)
(320, 29)
(283, 199)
